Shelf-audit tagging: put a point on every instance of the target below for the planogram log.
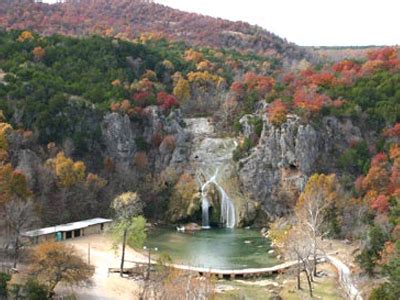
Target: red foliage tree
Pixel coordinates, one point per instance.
(322, 79)
(277, 112)
(166, 101)
(345, 66)
(384, 54)
(237, 87)
(381, 204)
(309, 100)
(394, 131)
(141, 97)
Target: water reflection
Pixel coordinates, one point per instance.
(215, 248)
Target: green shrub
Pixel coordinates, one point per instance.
(242, 150)
(369, 256)
(382, 293)
(35, 290)
(4, 278)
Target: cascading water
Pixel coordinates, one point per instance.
(211, 156)
(228, 217)
(205, 204)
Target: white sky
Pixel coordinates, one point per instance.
(309, 22)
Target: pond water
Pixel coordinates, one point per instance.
(214, 248)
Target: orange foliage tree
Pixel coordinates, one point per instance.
(25, 35)
(38, 53)
(277, 112)
(53, 263)
(309, 100)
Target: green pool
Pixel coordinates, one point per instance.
(214, 248)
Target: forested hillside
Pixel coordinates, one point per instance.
(133, 18)
(84, 119)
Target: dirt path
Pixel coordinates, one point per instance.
(342, 258)
(102, 256)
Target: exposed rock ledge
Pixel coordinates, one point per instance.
(277, 168)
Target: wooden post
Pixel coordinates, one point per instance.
(89, 253)
(123, 252)
(148, 267)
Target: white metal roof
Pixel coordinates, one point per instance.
(66, 227)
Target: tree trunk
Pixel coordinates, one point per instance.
(298, 276)
(308, 276)
(315, 265)
(16, 251)
(123, 252)
(315, 257)
(309, 282)
(52, 286)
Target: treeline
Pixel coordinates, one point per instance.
(47, 80)
(125, 18)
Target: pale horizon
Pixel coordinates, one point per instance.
(309, 22)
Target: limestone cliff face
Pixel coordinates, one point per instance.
(276, 170)
(162, 138)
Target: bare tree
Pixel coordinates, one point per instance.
(297, 247)
(179, 284)
(321, 190)
(19, 217)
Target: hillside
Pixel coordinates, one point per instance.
(132, 18)
(206, 135)
(335, 54)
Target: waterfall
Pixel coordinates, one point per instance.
(228, 217)
(211, 157)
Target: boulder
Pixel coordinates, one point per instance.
(189, 227)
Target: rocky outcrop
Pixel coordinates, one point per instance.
(277, 168)
(119, 137)
(163, 138)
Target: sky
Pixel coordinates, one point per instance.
(309, 22)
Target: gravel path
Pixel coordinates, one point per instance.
(102, 256)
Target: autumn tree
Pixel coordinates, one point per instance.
(320, 192)
(166, 101)
(277, 112)
(5, 129)
(128, 227)
(12, 184)
(193, 55)
(38, 53)
(309, 100)
(53, 263)
(67, 171)
(182, 90)
(25, 35)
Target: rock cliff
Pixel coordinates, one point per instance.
(277, 168)
(161, 137)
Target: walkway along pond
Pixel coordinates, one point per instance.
(344, 272)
